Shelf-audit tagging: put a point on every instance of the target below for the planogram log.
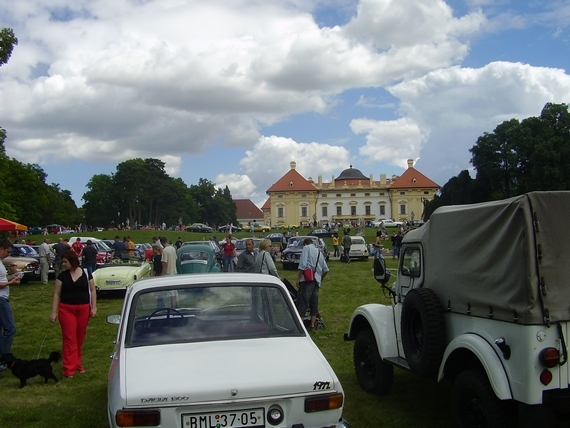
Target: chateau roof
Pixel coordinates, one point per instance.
(413, 179)
(292, 181)
(351, 174)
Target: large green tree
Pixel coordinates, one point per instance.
(7, 42)
(517, 157)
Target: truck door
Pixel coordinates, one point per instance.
(410, 275)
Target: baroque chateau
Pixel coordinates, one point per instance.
(351, 196)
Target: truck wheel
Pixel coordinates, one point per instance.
(374, 375)
(423, 331)
(475, 405)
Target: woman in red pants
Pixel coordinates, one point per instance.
(74, 302)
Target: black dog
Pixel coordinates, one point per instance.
(25, 369)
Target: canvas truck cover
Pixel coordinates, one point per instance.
(508, 259)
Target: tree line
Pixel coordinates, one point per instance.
(141, 191)
(516, 158)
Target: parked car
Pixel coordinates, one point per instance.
(29, 266)
(103, 250)
(35, 230)
(215, 321)
(291, 255)
(144, 251)
(275, 237)
(322, 233)
(289, 226)
(213, 245)
(199, 227)
(118, 274)
(256, 228)
(226, 228)
(390, 223)
(197, 259)
(358, 248)
(51, 270)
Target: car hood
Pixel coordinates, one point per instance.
(225, 370)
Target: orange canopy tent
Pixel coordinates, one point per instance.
(8, 225)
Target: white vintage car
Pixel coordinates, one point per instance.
(218, 350)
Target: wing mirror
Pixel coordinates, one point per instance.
(381, 274)
(114, 319)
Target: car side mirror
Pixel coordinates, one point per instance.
(381, 274)
(114, 319)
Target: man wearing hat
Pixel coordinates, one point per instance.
(90, 257)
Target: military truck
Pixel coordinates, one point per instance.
(482, 299)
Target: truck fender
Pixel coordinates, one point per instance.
(488, 358)
(379, 318)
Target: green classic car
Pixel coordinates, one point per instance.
(196, 259)
(120, 274)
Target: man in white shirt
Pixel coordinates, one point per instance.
(7, 325)
(168, 257)
(45, 253)
(308, 298)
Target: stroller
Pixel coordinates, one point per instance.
(319, 323)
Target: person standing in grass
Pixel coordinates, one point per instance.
(45, 254)
(335, 245)
(168, 257)
(7, 325)
(157, 260)
(263, 261)
(311, 263)
(246, 260)
(346, 243)
(74, 303)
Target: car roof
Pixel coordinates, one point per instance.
(206, 279)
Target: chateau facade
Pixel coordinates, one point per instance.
(351, 196)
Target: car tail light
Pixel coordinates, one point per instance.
(323, 402)
(137, 418)
(545, 377)
(549, 357)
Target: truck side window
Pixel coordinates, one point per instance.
(411, 263)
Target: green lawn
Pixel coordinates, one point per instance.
(81, 401)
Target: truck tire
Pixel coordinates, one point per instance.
(423, 331)
(374, 375)
(475, 405)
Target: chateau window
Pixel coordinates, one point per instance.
(339, 210)
(279, 212)
(367, 209)
(367, 194)
(353, 210)
(382, 210)
(338, 195)
(324, 195)
(353, 194)
(402, 193)
(279, 196)
(303, 211)
(325, 212)
(403, 209)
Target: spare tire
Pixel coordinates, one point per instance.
(423, 331)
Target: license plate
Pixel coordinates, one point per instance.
(250, 418)
(113, 282)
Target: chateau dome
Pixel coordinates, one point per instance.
(351, 174)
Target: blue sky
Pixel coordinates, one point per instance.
(234, 90)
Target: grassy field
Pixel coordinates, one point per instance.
(81, 401)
